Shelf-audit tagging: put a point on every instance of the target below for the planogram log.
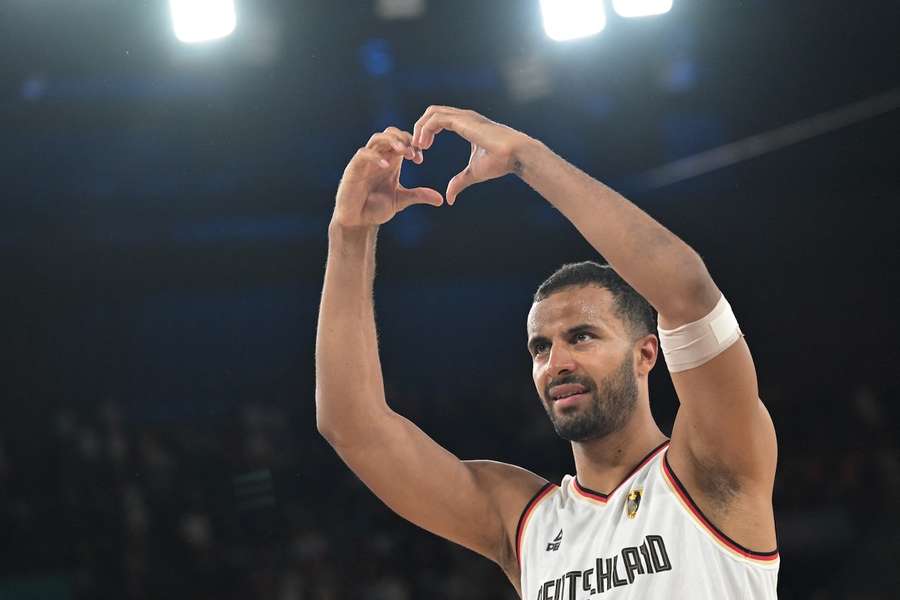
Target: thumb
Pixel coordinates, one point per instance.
(460, 181)
(420, 195)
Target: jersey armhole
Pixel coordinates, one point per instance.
(526, 515)
(691, 507)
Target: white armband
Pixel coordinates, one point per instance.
(694, 344)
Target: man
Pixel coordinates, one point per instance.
(644, 517)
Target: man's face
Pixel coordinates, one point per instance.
(582, 362)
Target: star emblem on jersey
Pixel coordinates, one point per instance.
(633, 502)
(554, 545)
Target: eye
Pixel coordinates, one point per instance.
(583, 336)
(538, 348)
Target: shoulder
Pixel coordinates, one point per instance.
(511, 487)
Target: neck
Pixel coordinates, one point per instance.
(603, 463)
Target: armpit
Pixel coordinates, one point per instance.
(718, 485)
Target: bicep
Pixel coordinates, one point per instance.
(466, 502)
(722, 421)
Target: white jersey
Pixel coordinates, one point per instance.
(646, 539)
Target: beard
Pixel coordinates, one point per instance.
(611, 404)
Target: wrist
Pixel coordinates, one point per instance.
(526, 153)
(348, 237)
(337, 230)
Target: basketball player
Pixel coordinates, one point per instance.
(644, 516)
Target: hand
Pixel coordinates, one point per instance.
(494, 146)
(370, 192)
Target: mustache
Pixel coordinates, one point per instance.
(587, 382)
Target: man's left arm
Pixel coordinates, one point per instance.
(722, 426)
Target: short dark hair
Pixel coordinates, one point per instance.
(630, 306)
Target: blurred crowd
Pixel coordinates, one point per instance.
(96, 503)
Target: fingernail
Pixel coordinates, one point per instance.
(384, 163)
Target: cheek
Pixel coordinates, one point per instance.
(536, 374)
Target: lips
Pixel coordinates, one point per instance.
(559, 392)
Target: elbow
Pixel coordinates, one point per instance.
(344, 437)
(336, 437)
(324, 429)
(697, 294)
(344, 420)
(324, 424)
(698, 283)
(701, 293)
(338, 432)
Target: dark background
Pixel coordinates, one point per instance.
(162, 245)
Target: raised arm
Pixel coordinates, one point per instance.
(723, 439)
(473, 503)
(723, 443)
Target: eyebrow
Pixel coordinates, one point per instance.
(580, 328)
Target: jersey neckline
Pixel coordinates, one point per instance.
(604, 498)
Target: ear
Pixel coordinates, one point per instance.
(647, 349)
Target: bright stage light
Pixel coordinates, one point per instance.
(202, 20)
(641, 8)
(570, 19)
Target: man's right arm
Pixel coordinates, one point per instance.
(473, 503)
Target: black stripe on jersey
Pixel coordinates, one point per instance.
(525, 512)
(706, 520)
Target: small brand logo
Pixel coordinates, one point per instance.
(633, 502)
(554, 545)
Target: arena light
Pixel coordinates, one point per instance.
(202, 20)
(570, 19)
(641, 8)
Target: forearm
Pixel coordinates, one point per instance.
(349, 385)
(654, 261)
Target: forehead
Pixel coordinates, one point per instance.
(589, 304)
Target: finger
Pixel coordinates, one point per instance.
(421, 195)
(439, 121)
(429, 112)
(366, 159)
(404, 136)
(410, 152)
(416, 155)
(458, 183)
(404, 139)
(430, 128)
(385, 142)
(390, 143)
(417, 127)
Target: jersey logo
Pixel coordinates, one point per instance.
(554, 545)
(633, 502)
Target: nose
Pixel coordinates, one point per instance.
(560, 360)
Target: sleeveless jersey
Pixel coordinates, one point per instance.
(646, 539)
